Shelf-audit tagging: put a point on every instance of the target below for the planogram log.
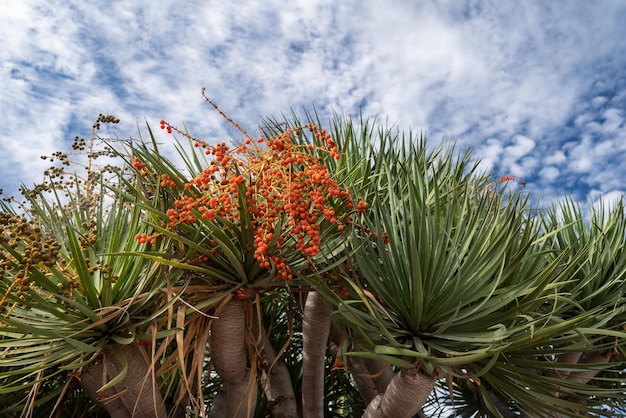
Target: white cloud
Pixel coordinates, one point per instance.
(521, 146)
(549, 173)
(598, 101)
(605, 201)
(557, 157)
(491, 153)
(613, 120)
(533, 87)
(516, 160)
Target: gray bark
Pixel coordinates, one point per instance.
(404, 397)
(241, 397)
(383, 373)
(584, 376)
(501, 405)
(361, 375)
(218, 406)
(136, 396)
(277, 385)
(229, 358)
(564, 359)
(315, 331)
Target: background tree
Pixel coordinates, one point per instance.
(80, 311)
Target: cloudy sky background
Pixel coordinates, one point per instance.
(537, 88)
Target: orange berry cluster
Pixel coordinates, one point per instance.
(139, 166)
(343, 290)
(374, 235)
(361, 207)
(512, 178)
(145, 238)
(167, 181)
(288, 190)
(163, 126)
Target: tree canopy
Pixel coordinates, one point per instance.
(309, 271)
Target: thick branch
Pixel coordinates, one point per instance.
(228, 342)
(404, 397)
(381, 373)
(276, 383)
(137, 395)
(228, 354)
(500, 405)
(315, 330)
(571, 357)
(241, 397)
(584, 376)
(361, 375)
(218, 406)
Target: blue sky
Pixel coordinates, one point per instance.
(537, 88)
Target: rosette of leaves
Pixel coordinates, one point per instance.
(82, 313)
(247, 219)
(577, 371)
(445, 273)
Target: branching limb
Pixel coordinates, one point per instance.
(315, 331)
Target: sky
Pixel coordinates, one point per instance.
(537, 89)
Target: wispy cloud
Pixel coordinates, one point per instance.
(538, 90)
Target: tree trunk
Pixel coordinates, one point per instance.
(564, 359)
(228, 354)
(241, 397)
(277, 385)
(370, 375)
(501, 405)
(584, 376)
(218, 406)
(404, 397)
(382, 373)
(136, 396)
(361, 375)
(315, 330)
